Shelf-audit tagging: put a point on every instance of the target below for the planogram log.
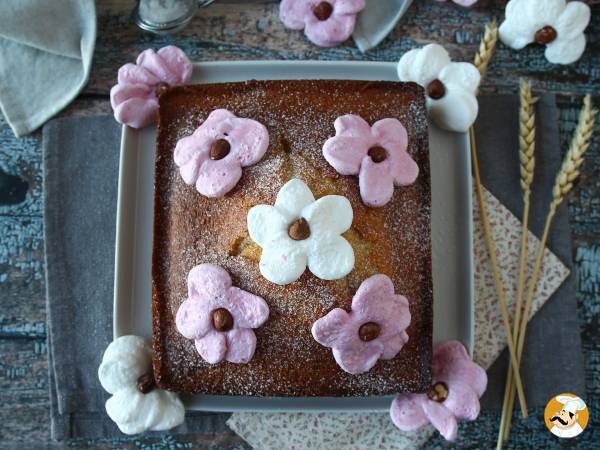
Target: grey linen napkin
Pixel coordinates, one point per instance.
(376, 21)
(552, 359)
(81, 159)
(46, 50)
(80, 191)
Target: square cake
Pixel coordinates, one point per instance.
(192, 229)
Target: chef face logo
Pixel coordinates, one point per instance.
(566, 415)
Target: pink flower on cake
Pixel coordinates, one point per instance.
(134, 97)
(374, 328)
(457, 385)
(326, 23)
(213, 156)
(220, 317)
(376, 154)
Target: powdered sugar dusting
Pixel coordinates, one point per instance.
(191, 229)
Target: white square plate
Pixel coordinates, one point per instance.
(451, 229)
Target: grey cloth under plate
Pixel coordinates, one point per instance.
(46, 50)
(80, 190)
(81, 161)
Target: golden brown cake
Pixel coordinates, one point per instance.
(192, 229)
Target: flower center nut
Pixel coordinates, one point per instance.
(369, 331)
(220, 149)
(222, 319)
(146, 383)
(436, 89)
(323, 11)
(299, 230)
(377, 154)
(545, 35)
(438, 392)
(161, 88)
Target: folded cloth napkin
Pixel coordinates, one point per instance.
(46, 50)
(376, 21)
(81, 161)
(553, 334)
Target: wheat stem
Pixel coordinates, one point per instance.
(527, 165)
(563, 184)
(482, 59)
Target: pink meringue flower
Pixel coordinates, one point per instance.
(376, 154)
(457, 385)
(134, 97)
(373, 329)
(461, 2)
(220, 317)
(213, 156)
(326, 23)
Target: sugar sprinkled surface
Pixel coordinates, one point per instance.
(191, 229)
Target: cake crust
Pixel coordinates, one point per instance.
(190, 229)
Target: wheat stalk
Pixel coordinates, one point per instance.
(527, 165)
(486, 47)
(482, 59)
(565, 178)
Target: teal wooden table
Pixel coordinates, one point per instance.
(251, 30)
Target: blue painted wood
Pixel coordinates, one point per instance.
(251, 30)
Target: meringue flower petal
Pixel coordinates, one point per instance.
(193, 319)
(565, 52)
(332, 213)
(249, 140)
(190, 153)
(155, 64)
(375, 299)
(134, 412)
(293, 12)
(331, 257)
(137, 112)
(462, 75)
(573, 21)
(212, 347)
(345, 153)
(265, 224)
(394, 343)
(462, 401)
(282, 262)
(441, 418)
(351, 125)
(133, 74)
(207, 282)
(452, 362)
(349, 6)
(329, 329)
(456, 111)
(390, 133)
(330, 32)
(217, 178)
(293, 197)
(122, 92)
(123, 362)
(426, 64)
(210, 127)
(355, 361)
(177, 62)
(407, 412)
(248, 310)
(375, 182)
(241, 344)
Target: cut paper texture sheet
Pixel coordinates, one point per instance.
(287, 431)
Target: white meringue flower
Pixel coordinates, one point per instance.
(555, 23)
(450, 86)
(125, 361)
(316, 242)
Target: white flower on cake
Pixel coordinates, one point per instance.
(136, 404)
(554, 23)
(299, 231)
(450, 87)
